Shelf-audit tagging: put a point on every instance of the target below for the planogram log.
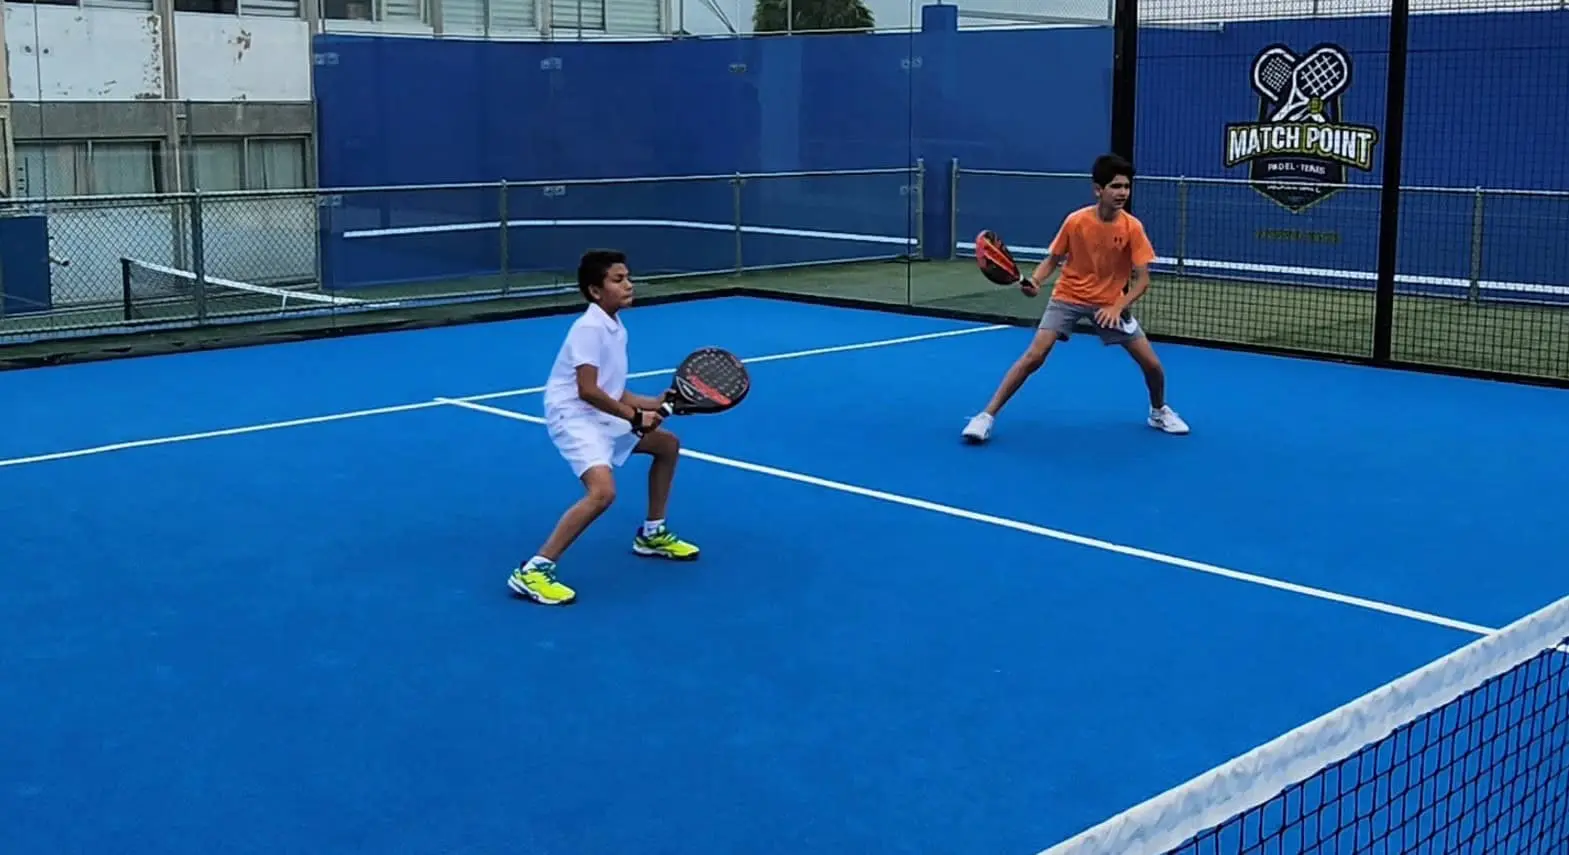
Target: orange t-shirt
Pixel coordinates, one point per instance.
(1100, 256)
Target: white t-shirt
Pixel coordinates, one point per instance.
(595, 339)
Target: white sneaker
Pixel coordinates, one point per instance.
(1166, 419)
(979, 429)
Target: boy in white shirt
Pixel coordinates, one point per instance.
(595, 423)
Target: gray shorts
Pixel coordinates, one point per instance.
(1065, 319)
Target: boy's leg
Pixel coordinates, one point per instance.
(655, 538)
(536, 577)
(1056, 324)
(1161, 415)
(593, 450)
(599, 487)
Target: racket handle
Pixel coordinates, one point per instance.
(664, 413)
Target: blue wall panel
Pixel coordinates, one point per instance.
(538, 111)
(1482, 110)
(24, 265)
(1029, 100)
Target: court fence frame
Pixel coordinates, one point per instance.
(1472, 285)
(1384, 348)
(283, 240)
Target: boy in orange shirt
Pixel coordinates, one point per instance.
(1099, 247)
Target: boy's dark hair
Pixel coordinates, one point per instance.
(1107, 167)
(594, 266)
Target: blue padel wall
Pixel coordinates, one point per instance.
(554, 111)
(1485, 108)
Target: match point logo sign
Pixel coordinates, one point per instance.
(1299, 138)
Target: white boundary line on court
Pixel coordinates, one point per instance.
(1031, 528)
(489, 396)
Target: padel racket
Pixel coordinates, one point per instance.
(709, 380)
(995, 261)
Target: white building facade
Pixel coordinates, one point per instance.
(151, 96)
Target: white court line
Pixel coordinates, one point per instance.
(1030, 528)
(509, 393)
(210, 434)
(773, 357)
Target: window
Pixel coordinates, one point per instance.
(255, 163)
(275, 164)
(215, 166)
(253, 8)
(92, 168)
(580, 15)
(400, 11)
(127, 167)
(123, 167)
(49, 169)
(480, 17)
(347, 10)
(133, 5)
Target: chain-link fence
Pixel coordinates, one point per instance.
(1475, 288)
(1360, 178)
(128, 263)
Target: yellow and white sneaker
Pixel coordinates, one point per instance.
(663, 544)
(536, 579)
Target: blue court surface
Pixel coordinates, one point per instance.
(256, 599)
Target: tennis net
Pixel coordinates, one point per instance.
(1469, 754)
(158, 292)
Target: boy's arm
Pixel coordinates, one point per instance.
(1141, 283)
(1055, 255)
(1045, 269)
(588, 389)
(642, 402)
(1143, 255)
(583, 348)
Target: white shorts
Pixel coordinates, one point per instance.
(586, 441)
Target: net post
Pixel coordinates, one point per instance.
(920, 209)
(1389, 198)
(505, 259)
(198, 257)
(1182, 225)
(1124, 82)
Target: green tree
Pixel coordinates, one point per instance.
(769, 15)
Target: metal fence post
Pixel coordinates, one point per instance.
(1182, 225)
(1476, 246)
(199, 256)
(920, 208)
(1390, 195)
(501, 212)
(736, 183)
(953, 210)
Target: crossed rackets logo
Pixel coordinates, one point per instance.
(1298, 140)
(1300, 87)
